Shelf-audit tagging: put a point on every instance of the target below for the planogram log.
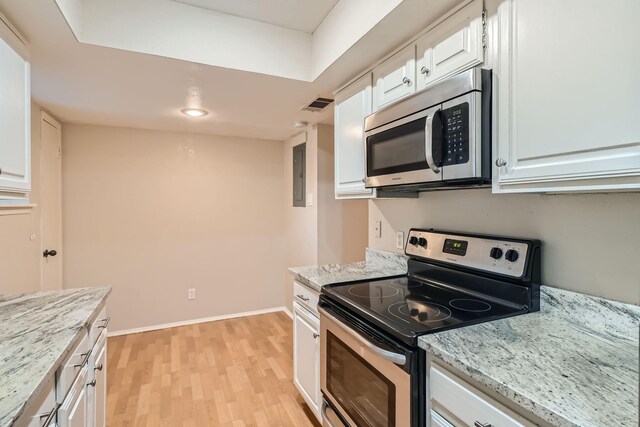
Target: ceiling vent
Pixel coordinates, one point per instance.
(317, 104)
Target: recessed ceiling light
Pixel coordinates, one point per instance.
(300, 124)
(194, 112)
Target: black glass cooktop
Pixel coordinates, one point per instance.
(408, 308)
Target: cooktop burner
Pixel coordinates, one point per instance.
(421, 312)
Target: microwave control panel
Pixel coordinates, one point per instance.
(455, 122)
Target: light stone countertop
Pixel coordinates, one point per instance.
(377, 264)
(36, 333)
(574, 363)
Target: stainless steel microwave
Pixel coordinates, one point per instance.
(437, 138)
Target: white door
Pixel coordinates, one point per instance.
(100, 396)
(568, 104)
(353, 104)
(306, 357)
(50, 202)
(15, 114)
(453, 46)
(73, 411)
(395, 77)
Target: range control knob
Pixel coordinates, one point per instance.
(496, 253)
(422, 242)
(511, 255)
(413, 240)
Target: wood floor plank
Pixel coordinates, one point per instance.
(229, 373)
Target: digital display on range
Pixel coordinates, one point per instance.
(455, 247)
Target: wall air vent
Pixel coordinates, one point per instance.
(317, 104)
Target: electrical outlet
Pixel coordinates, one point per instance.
(191, 294)
(378, 230)
(399, 239)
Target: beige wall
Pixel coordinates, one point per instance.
(155, 213)
(328, 231)
(591, 242)
(342, 227)
(20, 255)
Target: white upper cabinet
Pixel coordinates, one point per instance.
(395, 78)
(353, 104)
(568, 96)
(15, 117)
(453, 46)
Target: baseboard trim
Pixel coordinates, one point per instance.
(196, 321)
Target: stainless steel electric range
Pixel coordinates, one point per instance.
(373, 372)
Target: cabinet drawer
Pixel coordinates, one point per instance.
(72, 365)
(45, 414)
(98, 325)
(467, 404)
(306, 297)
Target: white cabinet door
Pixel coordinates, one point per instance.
(353, 104)
(451, 47)
(306, 357)
(15, 117)
(73, 411)
(395, 77)
(568, 104)
(98, 413)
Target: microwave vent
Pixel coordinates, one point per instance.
(317, 104)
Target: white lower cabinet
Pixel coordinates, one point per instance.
(567, 105)
(76, 395)
(97, 384)
(45, 415)
(73, 411)
(454, 402)
(306, 357)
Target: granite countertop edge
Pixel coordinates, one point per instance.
(442, 346)
(502, 388)
(46, 377)
(377, 264)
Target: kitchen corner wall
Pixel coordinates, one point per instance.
(152, 214)
(330, 230)
(20, 255)
(591, 242)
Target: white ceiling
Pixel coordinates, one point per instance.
(84, 83)
(300, 15)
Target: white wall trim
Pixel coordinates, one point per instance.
(196, 321)
(287, 312)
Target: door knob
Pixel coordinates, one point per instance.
(406, 81)
(48, 253)
(501, 162)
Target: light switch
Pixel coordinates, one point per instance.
(309, 199)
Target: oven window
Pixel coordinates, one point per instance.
(364, 393)
(400, 149)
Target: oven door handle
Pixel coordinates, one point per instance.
(397, 358)
(325, 417)
(428, 135)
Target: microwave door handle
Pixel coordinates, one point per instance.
(428, 132)
(390, 356)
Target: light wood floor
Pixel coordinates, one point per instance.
(234, 372)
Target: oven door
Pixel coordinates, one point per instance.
(405, 151)
(362, 378)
